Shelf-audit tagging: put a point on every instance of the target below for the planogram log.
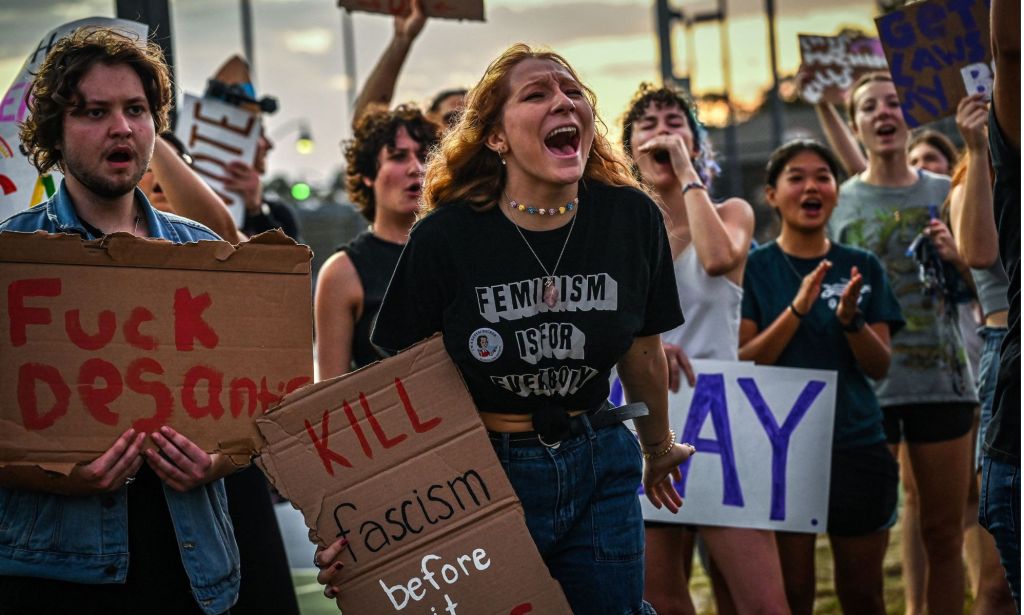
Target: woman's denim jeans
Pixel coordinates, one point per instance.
(583, 512)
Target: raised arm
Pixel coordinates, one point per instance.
(970, 203)
(840, 138)
(188, 194)
(379, 88)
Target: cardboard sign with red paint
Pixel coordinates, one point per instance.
(394, 458)
(927, 45)
(445, 9)
(99, 336)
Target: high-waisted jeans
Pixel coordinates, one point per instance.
(583, 513)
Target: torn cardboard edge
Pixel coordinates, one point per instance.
(266, 425)
(278, 253)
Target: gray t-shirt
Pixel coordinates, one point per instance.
(929, 363)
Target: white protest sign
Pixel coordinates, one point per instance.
(217, 133)
(21, 186)
(764, 446)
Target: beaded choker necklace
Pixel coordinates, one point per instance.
(571, 205)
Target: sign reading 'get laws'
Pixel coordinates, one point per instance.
(395, 459)
(99, 336)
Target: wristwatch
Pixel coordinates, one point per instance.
(856, 324)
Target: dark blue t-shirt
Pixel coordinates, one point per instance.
(770, 284)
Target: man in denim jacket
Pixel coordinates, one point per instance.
(68, 543)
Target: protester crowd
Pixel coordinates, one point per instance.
(893, 259)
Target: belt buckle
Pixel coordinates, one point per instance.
(552, 446)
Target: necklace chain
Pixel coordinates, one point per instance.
(547, 275)
(800, 278)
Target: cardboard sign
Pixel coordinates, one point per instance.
(445, 9)
(20, 184)
(394, 458)
(927, 44)
(99, 336)
(831, 64)
(217, 133)
(764, 447)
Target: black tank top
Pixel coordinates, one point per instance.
(375, 260)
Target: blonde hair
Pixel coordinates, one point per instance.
(462, 168)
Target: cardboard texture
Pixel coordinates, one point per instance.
(217, 133)
(829, 65)
(20, 184)
(764, 447)
(394, 458)
(927, 44)
(99, 336)
(445, 9)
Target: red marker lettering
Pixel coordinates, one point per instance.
(224, 123)
(239, 387)
(28, 401)
(354, 422)
(161, 395)
(97, 400)
(188, 320)
(131, 330)
(21, 316)
(107, 327)
(327, 456)
(377, 429)
(214, 385)
(414, 419)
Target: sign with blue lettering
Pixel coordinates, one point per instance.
(927, 44)
(764, 446)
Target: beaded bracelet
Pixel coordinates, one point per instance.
(664, 451)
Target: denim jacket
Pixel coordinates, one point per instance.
(85, 539)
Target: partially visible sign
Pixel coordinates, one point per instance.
(927, 45)
(394, 458)
(447, 9)
(99, 336)
(20, 184)
(217, 133)
(764, 447)
(831, 64)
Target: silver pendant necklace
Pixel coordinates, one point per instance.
(551, 294)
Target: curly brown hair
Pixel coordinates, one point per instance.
(373, 132)
(55, 88)
(462, 168)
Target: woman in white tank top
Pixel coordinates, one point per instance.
(709, 244)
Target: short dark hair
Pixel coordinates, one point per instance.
(373, 132)
(55, 88)
(937, 140)
(668, 96)
(788, 151)
(435, 103)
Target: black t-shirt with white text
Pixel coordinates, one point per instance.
(469, 275)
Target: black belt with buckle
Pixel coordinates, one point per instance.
(552, 425)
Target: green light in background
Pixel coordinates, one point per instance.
(301, 191)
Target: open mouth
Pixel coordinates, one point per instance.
(811, 206)
(563, 141)
(120, 155)
(662, 156)
(885, 131)
(414, 190)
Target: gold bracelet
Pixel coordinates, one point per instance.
(664, 451)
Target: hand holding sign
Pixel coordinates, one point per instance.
(972, 121)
